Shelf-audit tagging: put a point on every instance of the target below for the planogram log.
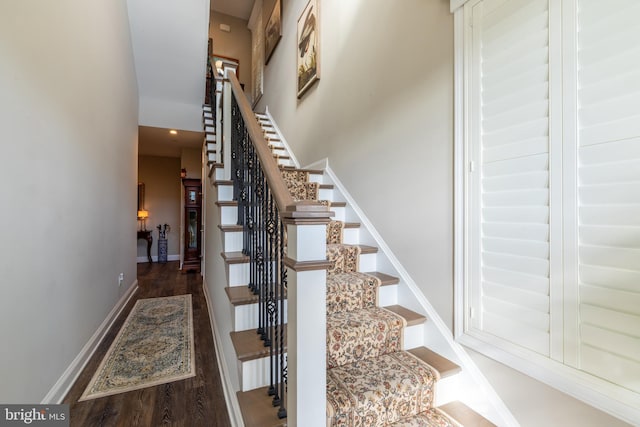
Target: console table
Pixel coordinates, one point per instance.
(146, 235)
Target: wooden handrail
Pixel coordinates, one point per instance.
(287, 207)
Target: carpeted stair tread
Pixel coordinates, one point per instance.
(385, 279)
(430, 418)
(379, 391)
(249, 346)
(362, 334)
(444, 366)
(411, 317)
(464, 415)
(257, 409)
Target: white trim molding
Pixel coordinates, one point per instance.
(71, 374)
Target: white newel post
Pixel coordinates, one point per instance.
(306, 326)
(226, 123)
(218, 115)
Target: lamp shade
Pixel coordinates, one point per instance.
(142, 214)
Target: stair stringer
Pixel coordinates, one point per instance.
(470, 385)
(282, 139)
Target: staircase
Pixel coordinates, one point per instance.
(380, 371)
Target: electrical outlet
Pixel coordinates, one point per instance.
(120, 279)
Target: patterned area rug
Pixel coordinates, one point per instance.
(154, 346)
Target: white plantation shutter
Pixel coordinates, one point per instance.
(609, 189)
(511, 177)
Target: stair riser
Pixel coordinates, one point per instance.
(208, 122)
(207, 114)
(388, 295)
(228, 215)
(218, 174)
(206, 109)
(225, 193)
(210, 129)
(325, 194)
(211, 137)
(211, 146)
(449, 389)
(232, 241)
(339, 213)
(413, 336)
(285, 162)
(316, 177)
(211, 157)
(351, 236)
(245, 317)
(254, 374)
(368, 262)
(238, 274)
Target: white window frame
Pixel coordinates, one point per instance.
(558, 370)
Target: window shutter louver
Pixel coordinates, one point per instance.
(511, 44)
(609, 190)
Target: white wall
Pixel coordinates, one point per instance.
(170, 47)
(68, 114)
(382, 113)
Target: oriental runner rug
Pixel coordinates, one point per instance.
(154, 346)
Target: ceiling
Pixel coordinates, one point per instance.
(159, 142)
(156, 141)
(238, 8)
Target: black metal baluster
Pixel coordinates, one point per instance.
(281, 325)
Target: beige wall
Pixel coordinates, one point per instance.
(69, 116)
(382, 113)
(234, 44)
(161, 177)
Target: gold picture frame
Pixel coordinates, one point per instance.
(308, 45)
(273, 31)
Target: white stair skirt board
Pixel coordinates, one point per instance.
(254, 373)
(245, 317)
(294, 160)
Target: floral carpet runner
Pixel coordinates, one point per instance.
(370, 380)
(154, 346)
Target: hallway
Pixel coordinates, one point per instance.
(197, 401)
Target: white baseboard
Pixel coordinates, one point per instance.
(142, 259)
(60, 389)
(233, 407)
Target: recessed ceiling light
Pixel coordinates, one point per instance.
(173, 132)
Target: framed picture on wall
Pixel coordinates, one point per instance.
(308, 55)
(273, 31)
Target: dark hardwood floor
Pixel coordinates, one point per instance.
(197, 401)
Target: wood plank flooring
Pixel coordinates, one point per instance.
(197, 401)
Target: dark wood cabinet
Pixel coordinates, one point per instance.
(192, 224)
